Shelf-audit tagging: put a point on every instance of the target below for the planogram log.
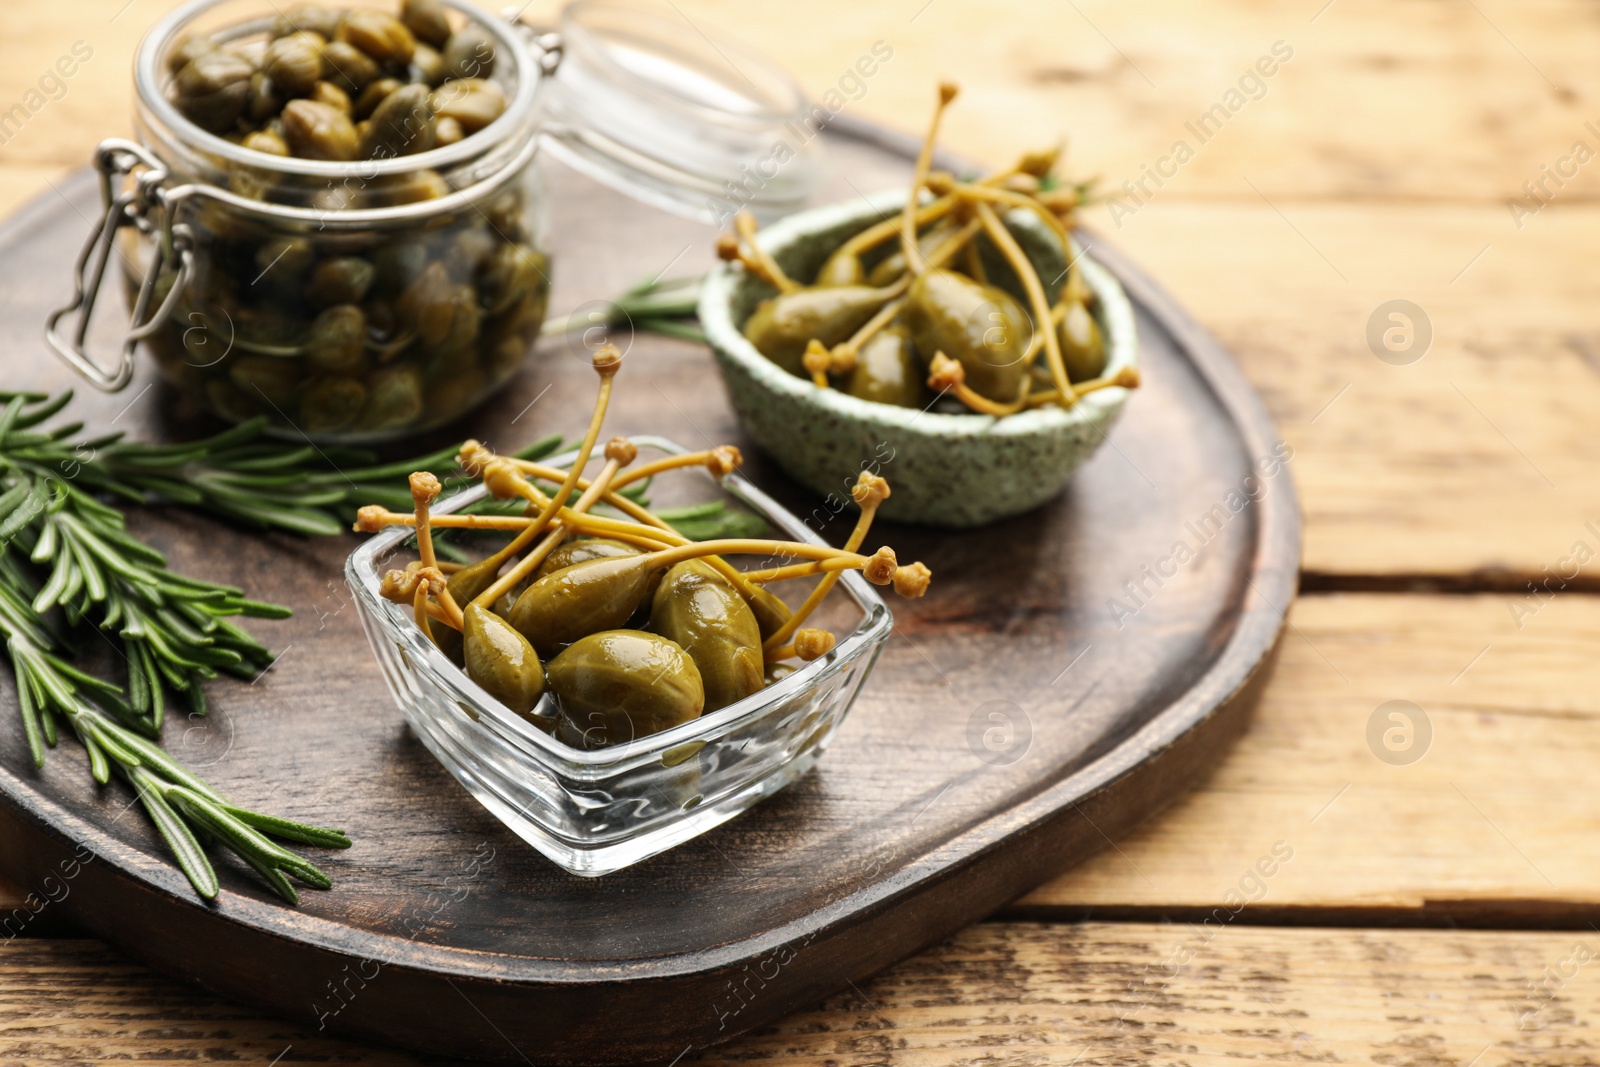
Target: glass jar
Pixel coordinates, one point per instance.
(360, 301)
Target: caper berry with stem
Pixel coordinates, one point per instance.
(697, 609)
(620, 685)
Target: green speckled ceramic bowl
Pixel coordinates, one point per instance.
(944, 469)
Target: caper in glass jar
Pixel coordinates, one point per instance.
(211, 90)
(469, 53)
(401, 125)
(338, 340)
(619, 685)
(349, 67)
(317, 131)
(294, 63)
(394, 398)
(472, 102)
(373, 95)
(427, 20)
(186, 50)
(383, 37)
(331, 404)
(314, 18)
(340, 280)
(513, 273)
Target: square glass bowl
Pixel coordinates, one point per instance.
(597, 812)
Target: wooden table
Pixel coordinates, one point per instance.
(1430, 910)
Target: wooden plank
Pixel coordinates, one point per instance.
(1491, 825)
(1466, 834)
(999, 994)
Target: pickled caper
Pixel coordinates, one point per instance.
(473, 102)
(401, 125)
(394, 398)
(325, 92)
(469, 53)
(340, 280)
(447, 131)
(698, 610)
(275, 380)
(186, 50)
(265, 141)
(427, 65)
(317, 131)
(294, 63)
(581, 551)
(1083, 346)
(427, 20)
(331, 404)
(513, 272)
(212, 89)
(888, 369)
(560, 608)
(981, 327)
(383, 37)
(781, 327)
(315, 18)
(337, 342)
(349, 67)
(373, 95)
(620, 685)
(501, 660)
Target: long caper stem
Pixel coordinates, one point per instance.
(419, 607)
(876, 234)
(559, 533)
(948, 376)
(757, 259)
(1126, 378)
(1035, 289)
(869, 491)
(915, 263)
(719, 461)
(1020, 200)
(607, 361)
(425, 489)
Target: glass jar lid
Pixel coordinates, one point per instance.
(672, 113)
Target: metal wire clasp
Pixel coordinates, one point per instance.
(144, 203)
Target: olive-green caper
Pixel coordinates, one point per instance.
(841, 268)
(410, 188)
(402, 125)
(197, 44)
(394, 399)
(283, 261)
(620, 685)
(372, 96)
(313, 18)
(349, 67)
(583, 550)
(427, 20)
(317, 131)
(888, 369)
(447, 131)
(698, 610)
(277, 380)
(340, 280)
(331, 404)
(473, 102)
(501, 660)
(427, 65)
(294, 63)
(383, 37)
(1083, 346)
(263, 100)
(469, 53)
(265, 141)
(981, 327)
(337, 341)
(212, 89)
(601, 594)
(511, 273)
(325, 92)
(781, 327)
(428, 304)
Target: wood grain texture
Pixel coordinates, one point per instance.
(1489, 825)
(999, 994)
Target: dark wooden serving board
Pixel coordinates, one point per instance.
(445, 933)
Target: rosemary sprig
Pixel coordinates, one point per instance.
(656, 306)
(62, 547)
